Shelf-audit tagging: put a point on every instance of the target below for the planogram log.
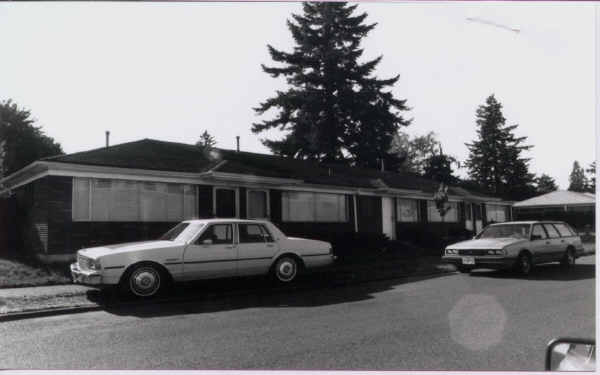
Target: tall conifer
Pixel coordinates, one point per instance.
(335, 109)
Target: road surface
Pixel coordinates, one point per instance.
(489, 320)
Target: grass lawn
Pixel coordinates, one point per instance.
(17, 274)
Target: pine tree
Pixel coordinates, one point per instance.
(545, 184)
(577, 180)
(438, 167)
(495, 160)
(206, 141)
(592, 180)
(335, 109)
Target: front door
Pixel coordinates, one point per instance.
(213, 254)
(256, 249)
(226, 203)
(469, 217)
(477, 214)
(387, 216)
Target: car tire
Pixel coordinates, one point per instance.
(524, 264)
(464, 269)
(285, 269)
(568, 259)
(143, 281)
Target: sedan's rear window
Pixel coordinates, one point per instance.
(563, 230)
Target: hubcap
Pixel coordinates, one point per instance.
(144, 282)
(286, 270)
(525, 264)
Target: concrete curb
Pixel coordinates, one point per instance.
(234, 293)
(47, 312)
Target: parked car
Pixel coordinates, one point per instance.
(200, 249)
(519, 245)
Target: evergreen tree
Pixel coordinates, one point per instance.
(592, 180)
(495, 160)
(335, 109)
(438, 167)
(206, 141)
(21, 142)
(577, 180)
(545, 184)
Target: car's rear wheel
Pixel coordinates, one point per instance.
(524, 264)
(285, 269)
(144, 281)
(568, 259)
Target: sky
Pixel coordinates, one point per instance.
(169, 71)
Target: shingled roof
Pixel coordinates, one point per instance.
(171, 156)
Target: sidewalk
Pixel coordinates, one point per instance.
(68, 298)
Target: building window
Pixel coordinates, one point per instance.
(257, 204)
(124, 200)
(314, 207)
(408, 210)
(226, 202)
(433, 214)
(496, 213)
(468, 212)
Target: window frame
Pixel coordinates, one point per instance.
(313, 204)
(267, 203)
(237, 199)
(234, 239)
(543, 229)
(398, 210)
(445, 221)
(248, 224)
(90, 188)
(550, 225)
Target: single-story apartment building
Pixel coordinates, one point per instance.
(577, 209)
(138, 190)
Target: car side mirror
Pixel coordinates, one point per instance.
(536, 237)
(207, 242)
(567, 354)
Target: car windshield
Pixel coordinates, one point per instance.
(182, 232)
(520, 231)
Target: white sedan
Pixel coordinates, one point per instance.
(200, 249)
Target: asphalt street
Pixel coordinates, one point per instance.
(489, 320)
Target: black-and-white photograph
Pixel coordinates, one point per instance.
(298, 185)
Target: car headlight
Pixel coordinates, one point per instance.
(451, 251)
(94, 264)
(496, 252)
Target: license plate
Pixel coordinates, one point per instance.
(468, 260)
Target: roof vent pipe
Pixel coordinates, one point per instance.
(237, 139)
(107, 136)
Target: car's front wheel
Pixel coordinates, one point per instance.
(285, 269)
(143, 280)
(524, 264)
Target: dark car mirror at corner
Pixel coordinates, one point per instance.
(568, 354)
